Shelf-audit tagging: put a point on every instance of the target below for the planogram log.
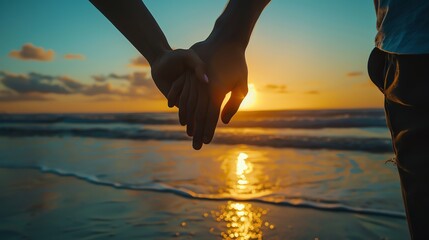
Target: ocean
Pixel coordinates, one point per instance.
(328, 162)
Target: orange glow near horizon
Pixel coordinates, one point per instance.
(254, 101)
(250, 98)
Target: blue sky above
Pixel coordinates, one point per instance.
(295, 43)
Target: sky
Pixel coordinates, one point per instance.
(65, 56)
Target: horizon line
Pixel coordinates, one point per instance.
(175, 111)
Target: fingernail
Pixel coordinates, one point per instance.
(206, 79)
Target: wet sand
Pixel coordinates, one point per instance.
(37, 205)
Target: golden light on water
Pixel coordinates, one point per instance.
(242, 220)
(243, 179)
(242, 167)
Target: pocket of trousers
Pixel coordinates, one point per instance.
(377, 67)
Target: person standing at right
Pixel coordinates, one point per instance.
(399, 67)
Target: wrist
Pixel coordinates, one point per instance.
(235, 25)
(157, 53)
(225, 34)
(158, 58)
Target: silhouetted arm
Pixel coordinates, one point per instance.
(235, 27)
(136, 23)
(237, 21)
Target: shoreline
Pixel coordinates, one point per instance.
(42, 205)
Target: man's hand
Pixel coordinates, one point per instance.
(199, 103)
(227, 68)
(224, 55)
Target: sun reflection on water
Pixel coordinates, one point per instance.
(242, 166)
(242, 169)
(242, 220)
(244, 176)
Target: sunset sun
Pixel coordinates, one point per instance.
(250, 99)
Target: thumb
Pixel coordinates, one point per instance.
(194, 62)
(233, 104)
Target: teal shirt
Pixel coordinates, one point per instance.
(403, 26)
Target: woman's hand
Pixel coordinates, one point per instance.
(174, 65)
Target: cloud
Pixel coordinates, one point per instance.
(99, 78)
(114, 76)
(312, 92)
(354, 74)
(35, 86)
(74, 56)
(101, 89)
(119, 77)
(276, 88)
(140, 84)
(71, 83)
(139, 62)
(33, 83)
(139, 79)
(30, 52)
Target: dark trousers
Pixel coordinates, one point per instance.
(404, 81)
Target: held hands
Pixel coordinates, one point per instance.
(199, 103)
(221, 56)
(172, 64)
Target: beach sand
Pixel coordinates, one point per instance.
(36, 205)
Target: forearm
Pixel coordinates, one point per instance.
(136, 23)
(376, 6)
(237, 21)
